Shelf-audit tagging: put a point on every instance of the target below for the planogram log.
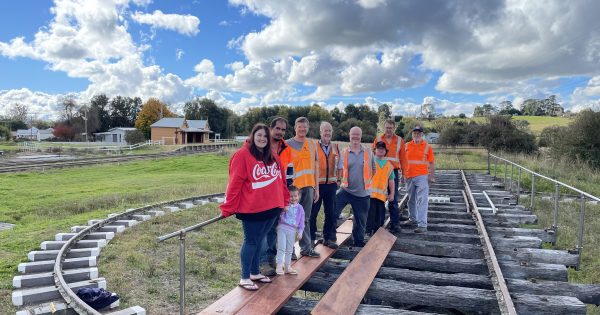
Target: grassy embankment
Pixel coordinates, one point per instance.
(536, 123)
(43, 204)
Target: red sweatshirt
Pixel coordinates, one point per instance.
(252, 187)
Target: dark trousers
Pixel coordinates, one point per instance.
(327, 198)
(254, 234)
(269, 246)
(360, 209)
(376, 216)
(306, 200)
(393, 205)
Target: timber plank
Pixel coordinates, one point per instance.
(273, 296)
(354, 282)
(235, 300)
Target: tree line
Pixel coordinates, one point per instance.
(530, 107)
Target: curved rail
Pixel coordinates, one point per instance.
(23, 166)
(65, 291)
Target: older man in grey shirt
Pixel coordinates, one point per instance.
(357, 167)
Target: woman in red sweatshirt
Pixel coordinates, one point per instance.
(256, 193)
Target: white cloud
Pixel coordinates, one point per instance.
(179, 53)
(183, 24)
(74, 42)
(205, 65)
(41, 105)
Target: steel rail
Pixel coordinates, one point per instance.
(504, 300)
(19, 167)
(65, 291)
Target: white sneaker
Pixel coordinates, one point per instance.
(290, 270)
(279, 269)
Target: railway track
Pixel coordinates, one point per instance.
(24, 166)
(48, 282)
(452, 269)
(467, 263)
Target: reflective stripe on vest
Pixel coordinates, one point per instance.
(380, 181)
(367, 168)
(395, 159)
(304, 169)
(423, 159)
(328, 164)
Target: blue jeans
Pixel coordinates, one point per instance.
(418, 199)
(393, 205)
(327, 198)
(360, 209)
(254, 234)
(269, 245)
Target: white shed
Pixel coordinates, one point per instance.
(114, 136)
(35, 134)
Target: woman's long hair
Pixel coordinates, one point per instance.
(266, 155)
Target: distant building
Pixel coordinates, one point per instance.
(432, 137)
(114, 135)
(35, 134)
(172, 130)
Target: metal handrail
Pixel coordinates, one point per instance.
(582, 194)
(65, 291)
(182, 233)
(189, 229)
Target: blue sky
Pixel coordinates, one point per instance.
(242, 53)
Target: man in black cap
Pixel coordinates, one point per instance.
(420, 172)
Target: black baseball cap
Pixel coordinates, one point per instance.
(418, 128)
(380, 144)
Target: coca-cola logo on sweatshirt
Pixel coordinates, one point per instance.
(265, 175)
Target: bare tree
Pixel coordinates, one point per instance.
(19, 112)
(69, 105)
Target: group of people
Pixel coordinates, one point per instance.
(276, 188)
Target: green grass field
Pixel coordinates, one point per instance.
(43, 204)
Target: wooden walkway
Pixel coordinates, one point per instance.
(269, 298)
(444, 270)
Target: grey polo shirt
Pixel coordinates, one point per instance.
(356, 183)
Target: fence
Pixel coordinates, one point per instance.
(557, 184)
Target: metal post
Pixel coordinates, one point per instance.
(579, 247)
(182, 273)
(488, 161)
(556, 196)
(495, 165)
(532, 191)
(519, 186)
(512, 169)
(505, 171)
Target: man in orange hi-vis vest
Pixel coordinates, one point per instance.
(357, 167)
(420, 172)
(329, 155)
(304, 158)
(396, 155)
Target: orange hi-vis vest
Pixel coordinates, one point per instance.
(394, 147)
(367, 168)
(381, 180)
(305, 164)
(328, 164)
(285, 154)
(418, 157)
